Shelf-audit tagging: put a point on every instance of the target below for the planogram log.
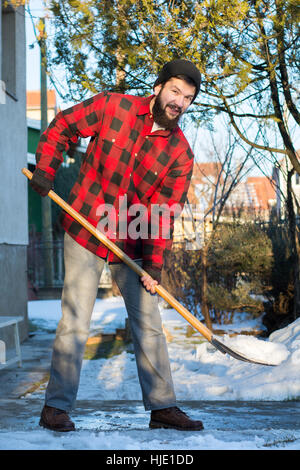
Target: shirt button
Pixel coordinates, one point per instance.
(147, 137)
(155, 173)
(113, 140)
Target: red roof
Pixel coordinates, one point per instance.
(265, 190)
(34, 99)
(257, 192)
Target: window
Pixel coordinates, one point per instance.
(8, 50)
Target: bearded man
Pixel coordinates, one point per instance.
(137, 151)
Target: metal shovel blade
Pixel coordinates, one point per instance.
(226, 350)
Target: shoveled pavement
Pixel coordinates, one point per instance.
(17, 381)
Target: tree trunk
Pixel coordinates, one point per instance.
(46, 201)
(120, 73)
(204, 302)
(120, 56)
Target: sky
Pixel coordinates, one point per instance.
(32, 54)
(34, 11)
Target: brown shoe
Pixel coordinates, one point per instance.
(174, 418)
(56, 420)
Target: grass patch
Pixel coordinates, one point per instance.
(36, 385)
(190, 331)
(105, 350)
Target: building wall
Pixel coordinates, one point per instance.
(13, 157)
(36, 114)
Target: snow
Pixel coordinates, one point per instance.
(200, 373)
(194, 361)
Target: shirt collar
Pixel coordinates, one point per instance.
(144, 107)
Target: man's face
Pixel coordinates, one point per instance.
(171, 100)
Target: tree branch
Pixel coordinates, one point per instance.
(244, 138)
(275, 96)
(220, 108)
(283, 68)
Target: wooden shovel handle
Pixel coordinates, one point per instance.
(123, 257)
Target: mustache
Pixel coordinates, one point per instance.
(159, 114)
(174, 107)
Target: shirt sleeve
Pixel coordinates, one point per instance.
(81, 120)
(165, 205)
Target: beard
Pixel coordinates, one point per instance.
(160, 116)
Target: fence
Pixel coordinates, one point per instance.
(45, 274)
(38, 253)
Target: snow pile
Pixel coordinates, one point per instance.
(200, 372)
(211, 375)
(255, 349)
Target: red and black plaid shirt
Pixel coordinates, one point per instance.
(123, 158)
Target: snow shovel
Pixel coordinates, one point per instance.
(194, 322)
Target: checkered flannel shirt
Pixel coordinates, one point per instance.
(123, 158)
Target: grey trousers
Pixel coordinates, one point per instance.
(82, 274)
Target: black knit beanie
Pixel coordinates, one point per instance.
(179, 67)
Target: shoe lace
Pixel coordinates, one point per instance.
(178, 411)
(59, 412)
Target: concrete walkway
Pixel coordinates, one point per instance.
(17, 381)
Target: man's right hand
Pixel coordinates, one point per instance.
(149, 283)
(40, 183)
